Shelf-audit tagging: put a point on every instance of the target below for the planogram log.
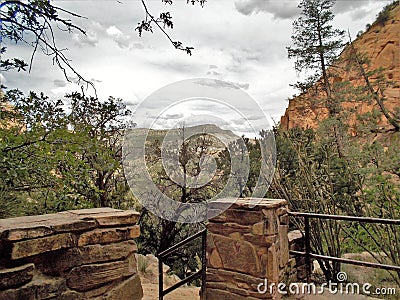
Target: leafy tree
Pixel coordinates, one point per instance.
(183, 183)
(29, 136)
(53, 159)
(99, 128)
(249, 155)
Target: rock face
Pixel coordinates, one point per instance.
(247, 245)
(380, 44)
(82, 254)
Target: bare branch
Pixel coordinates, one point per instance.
(164, 19)
(22, 18)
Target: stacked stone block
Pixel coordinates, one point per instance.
(82, 254)
(296, 268)
(247, 244)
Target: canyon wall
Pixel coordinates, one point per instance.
(381, 45)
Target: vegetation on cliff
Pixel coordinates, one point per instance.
(363, 81)
(338, 166)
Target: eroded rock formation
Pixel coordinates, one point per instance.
(380, 44)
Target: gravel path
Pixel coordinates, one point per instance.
(150, 292)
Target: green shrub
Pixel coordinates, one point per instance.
(384, 15)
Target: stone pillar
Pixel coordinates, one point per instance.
(81, 254)
(246, 246)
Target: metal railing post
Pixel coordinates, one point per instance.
(309, 255)
(308, 247)
(199, 274)
(160, 279)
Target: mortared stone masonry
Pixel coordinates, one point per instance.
(247, 244)
(81, 254)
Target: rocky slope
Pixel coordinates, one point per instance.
(380, 43)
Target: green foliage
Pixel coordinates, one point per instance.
(365, 182)
(185, 261)
(157, 234)
(315, 42)
(245, 179)
(384, 15)
(196, 153)
(54, 158)
(9, 204)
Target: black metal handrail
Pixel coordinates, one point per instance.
(308, 255)
(345, 218)
(201, 273)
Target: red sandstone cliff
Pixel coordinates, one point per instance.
(381, 45)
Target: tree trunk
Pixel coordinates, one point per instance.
(394, 121)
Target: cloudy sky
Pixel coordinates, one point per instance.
(239, 41)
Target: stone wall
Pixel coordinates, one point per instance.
(82, 254)
(296, 267)
(245, 246)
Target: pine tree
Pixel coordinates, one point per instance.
(315, 42)
(315, 46)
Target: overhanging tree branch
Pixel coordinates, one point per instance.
(164, 21)
(379, 98)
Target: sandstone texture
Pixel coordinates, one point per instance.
(82, 254)
(381, 45)
(247, 244)
(296, 267)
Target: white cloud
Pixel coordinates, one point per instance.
(284, 9)
(342, 6)
(122, 40)
(287, 9)
(113, 31)
(81, 40)
(93, 33)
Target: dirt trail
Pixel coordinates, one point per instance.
(150, 292)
